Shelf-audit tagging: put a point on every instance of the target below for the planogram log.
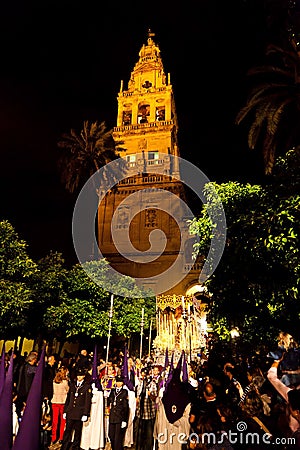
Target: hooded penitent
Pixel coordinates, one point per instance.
(6, 423)
(124, 372)
(2, 369)
(176, 397)
(185, 377)
(95, 377)
(166, 365)
(28, 436)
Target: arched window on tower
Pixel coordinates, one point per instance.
(143, 113)
(160, 113)
(127, 115)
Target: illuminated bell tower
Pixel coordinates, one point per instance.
(147, 120)
(147, 127)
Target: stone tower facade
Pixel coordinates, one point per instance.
(147, 128)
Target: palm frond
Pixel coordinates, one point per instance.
(255, 131)
(269, 146)
(274, 97)
(84, 152)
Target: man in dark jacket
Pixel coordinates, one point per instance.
(234, 390)
(145, 414)
(118, 414)
(25, 378)
(49, 374)
(77, 409)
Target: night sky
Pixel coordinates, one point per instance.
(62, 63)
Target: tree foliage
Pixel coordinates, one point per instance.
(272, 108)
(272, 112)
(16, 272)
(48, 286)
(256, 284)
(44, 300)
(85, 309)
(84, 153)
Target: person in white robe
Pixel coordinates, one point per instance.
(93, 430)
(171, 436)
(172, 428)
(128, 440)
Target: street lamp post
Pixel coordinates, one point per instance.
(110, 315)
(189, 320)
(184, 316)
(142, 331)
(150, 337)
(109, 328)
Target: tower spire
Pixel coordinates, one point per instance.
(150, 36)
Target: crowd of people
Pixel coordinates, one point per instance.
(220, 400)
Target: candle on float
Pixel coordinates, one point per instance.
(182, 301)
(111, 301)
(158, 323)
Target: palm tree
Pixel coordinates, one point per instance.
(85, 152)
(274, 105)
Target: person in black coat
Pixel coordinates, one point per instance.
(48, 377)
(25, 379)
(118, 414)
(77, 409)
(234, 390)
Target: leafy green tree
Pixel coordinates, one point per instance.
(45, 300)
(48, 287)
(256, 284)
(16, 272)
(84, 312)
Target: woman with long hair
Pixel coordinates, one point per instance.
(60, 391)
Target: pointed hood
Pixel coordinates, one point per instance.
(166, 359)
(185, 377)
(176, 397)
(124, 371)
(28, 436)
(179, 364)
(6, 425)
(2, 369)
(172, 363)
(95, 377)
